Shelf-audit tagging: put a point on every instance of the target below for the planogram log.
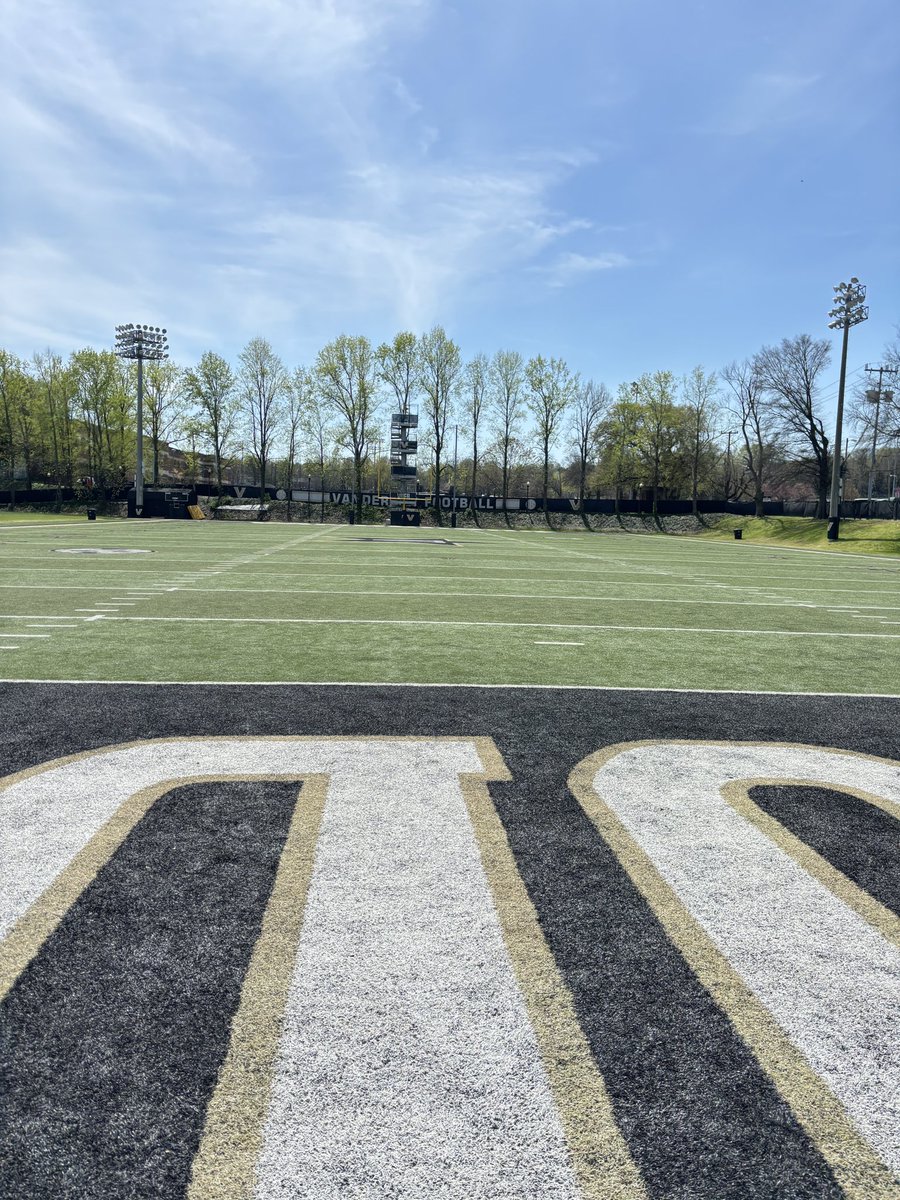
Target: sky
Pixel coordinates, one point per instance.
(634, 185)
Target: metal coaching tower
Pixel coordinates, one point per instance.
(404, 446)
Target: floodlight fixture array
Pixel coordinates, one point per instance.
(849, 308)
(141, 342)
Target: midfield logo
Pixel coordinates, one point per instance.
(410, 1005)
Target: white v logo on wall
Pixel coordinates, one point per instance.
(404, 1018)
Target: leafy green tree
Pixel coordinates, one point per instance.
(346, 382)
(55, 386)
(398, 366)
(552, 388)
(103, 399)
(506, 381)
(440, 366)
(658, 429)
(15, 398)
(618, 433)
(211, 388)
(477, 374)
(164, 407)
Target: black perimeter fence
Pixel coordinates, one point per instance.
(880, 509)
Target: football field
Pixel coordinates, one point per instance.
(473, 864)
(178, 601)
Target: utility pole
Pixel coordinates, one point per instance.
(848, 310)
(875, 396)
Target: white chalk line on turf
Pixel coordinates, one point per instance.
(491, 625)
(439, 594)
(369, 683)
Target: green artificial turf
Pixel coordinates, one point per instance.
(855, 537)
(21, 516)
(266, 602)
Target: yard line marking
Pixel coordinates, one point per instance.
(493, 595)
(30, 635)
(51, 625)
(98, 617)
(500, 625)
(557, 643)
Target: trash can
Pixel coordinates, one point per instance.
(351, 517)
(738, 533)
(92, 514)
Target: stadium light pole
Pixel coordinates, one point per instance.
(141, 342)
(848, 310)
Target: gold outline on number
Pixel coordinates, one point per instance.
(601, 1159)
(858, 1169)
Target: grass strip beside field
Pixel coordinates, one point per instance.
(805, 533)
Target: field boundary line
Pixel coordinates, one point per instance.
(368, 683)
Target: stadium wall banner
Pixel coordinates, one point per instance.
(418, 940)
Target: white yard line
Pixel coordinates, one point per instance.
(557, 643)
(492, 595)
(498, 625)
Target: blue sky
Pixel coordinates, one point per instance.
(632, 185)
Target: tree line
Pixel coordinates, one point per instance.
(753, 429)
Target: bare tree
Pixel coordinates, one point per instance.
(789, 374)
(551, 389)
(345, 378)
(211, 387)
(476, 382)
(507, 379)
(756, 422)
(263, 381)
(699, 390)
(440, 366)
(592, 401)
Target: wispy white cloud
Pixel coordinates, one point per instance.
(145, 185)
(570, 267)
(766, 101)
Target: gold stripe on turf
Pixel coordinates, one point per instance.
(848, 892)
(599, 1153)
(28, 934)
(225, 1163)
(859, 1171)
